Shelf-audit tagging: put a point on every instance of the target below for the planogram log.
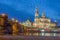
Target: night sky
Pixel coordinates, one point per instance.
(22, 9)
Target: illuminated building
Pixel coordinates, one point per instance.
(27, 23)
(14, 26)
(8, 28)
(42, 22)
(42, 26)
(3, 19)
(3, 23)
(22, 30)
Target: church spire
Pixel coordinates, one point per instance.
(36, 12)
(43, 14)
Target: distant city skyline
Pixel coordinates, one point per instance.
(22, 9)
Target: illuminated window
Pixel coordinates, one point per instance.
(42, 34)
(54, 34)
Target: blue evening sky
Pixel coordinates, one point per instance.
(22, 9)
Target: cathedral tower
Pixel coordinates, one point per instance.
(36, 15)
(36, 20)
(36, 12)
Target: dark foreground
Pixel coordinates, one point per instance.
(28, 38)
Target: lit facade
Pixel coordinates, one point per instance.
(42, 22)
(3, 23)
(27, 23)
(41, 26)
(14, 27)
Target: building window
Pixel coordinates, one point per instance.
(42, 34)
(54, 34)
